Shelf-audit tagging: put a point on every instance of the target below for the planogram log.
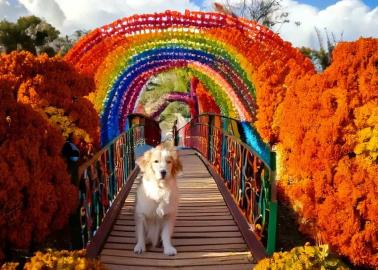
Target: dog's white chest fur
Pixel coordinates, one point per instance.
(156, 190)
(158, 199)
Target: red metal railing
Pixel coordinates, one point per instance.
(247, 177)
(103, 178)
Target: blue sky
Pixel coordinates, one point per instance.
(321, 4)
(325, 3)
(346, 19)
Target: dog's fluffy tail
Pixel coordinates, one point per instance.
(153, 232)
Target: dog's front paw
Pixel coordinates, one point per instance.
(139, 248)
(170, 251)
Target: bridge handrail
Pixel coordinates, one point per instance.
(238, 140)
(232, 133)
(239, 162)
(105, 180)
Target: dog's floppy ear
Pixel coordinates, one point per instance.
(143, 160)
(176, 164)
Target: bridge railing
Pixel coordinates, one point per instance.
(244, 172)
(106, 179)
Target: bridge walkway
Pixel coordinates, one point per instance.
(205, 236)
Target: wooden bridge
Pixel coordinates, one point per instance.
(206, 234)
(216, 228)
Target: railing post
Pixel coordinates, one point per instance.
(125, 157)
(174, 133)
(273, 208)
(210, 142)
(132, 152)
(112, 182)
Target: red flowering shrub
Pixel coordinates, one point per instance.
(327, 126)
(206, 103)
(36, 194)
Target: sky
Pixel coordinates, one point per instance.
(346, 20)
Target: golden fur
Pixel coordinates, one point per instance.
(157, 198)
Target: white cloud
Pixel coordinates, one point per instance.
(349, 18)
(11, 12)
(47, 9)
(71, 15)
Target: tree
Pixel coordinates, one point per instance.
(61, 45)
(28, 33)
(266, 12)
(176, 80)
(322, 58)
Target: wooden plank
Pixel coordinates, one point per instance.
(194, 206)
(124, 267)
(187, 210)
(185, 229)
(198, 204)
(198, 195)
(181, 217)
(208, 267)
(202, 200)
(184, 234)
(174, 263)
(196, 187)
(183, 241)
(179, 256)
(225, 266)
(205, 248)
(199, 214)
(193, 202)
(185, 223)
(206, 241)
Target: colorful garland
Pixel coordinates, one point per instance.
(223, 51)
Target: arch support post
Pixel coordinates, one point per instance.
(273, 208)
(193, 97)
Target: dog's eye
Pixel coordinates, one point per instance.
(156, 161)
(169, 162)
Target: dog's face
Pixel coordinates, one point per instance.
(161, 162)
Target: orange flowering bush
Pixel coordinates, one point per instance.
(34, 200)
(327, 134)
(59, 260)
(302, 258)
(9, 266)
(50, 83)
(63, 259)
(36, 194)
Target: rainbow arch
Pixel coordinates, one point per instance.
(222, 51)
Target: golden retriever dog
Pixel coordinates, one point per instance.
(157, 198)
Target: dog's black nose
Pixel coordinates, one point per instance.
(163, 173)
